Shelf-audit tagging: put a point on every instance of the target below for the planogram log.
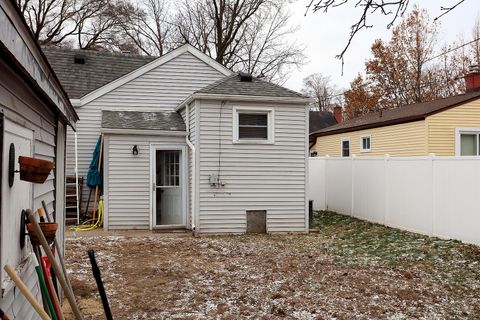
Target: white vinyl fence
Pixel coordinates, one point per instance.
(437, 196)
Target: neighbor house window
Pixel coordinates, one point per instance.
(253, 125)
(345, 147)
(467, 142)
(366, 144)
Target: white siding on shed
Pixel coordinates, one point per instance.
(20, 105)
(127, 179)
(160, 89)
(267, 177)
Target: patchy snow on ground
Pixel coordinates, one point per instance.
(350, 269)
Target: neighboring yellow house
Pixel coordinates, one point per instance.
(445, 127)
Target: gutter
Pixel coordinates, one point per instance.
(231, 97)
(194, 165)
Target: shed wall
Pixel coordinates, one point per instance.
(20, 105)
(269, 177)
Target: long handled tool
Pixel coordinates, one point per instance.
(57, 311)
(61, 277)
(101, 289)
(43, 288)
(57, 247)
(24, 290)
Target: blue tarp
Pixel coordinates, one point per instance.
(95, 178)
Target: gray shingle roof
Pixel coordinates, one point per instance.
(231, 85)
(320, 119)
(100, 68)
(171, 121)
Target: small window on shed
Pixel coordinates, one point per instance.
(253, 125)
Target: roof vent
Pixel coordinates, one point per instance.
(80, 58)
(245, 77)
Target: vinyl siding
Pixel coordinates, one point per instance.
(406, 139)
(162, 88)
(20, 105)
(258, 177)
(127, 179)
(441, 127)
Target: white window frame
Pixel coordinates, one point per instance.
(270, 130)
(459, 132)
(349, 147)
(361, 143)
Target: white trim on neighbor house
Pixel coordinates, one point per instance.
(270, 112)
(349, 147)
(369, 137)
(150, 66)
(232, 97)
(145, 132)
(184, 183)
(460, 131)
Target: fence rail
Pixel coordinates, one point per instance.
(431, 195)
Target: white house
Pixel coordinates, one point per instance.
(34, 115)
(188, 143)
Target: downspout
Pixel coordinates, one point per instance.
(194, 165)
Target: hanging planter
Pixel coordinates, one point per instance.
(48, 229)
(34, 170)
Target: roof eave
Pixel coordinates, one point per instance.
(244, 98)
(322, 133)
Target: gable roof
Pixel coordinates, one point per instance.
(99, 69)
(144, 68)
(320, 119)
(231, 85)
(20, 50)
(166, 121)
(409, 113)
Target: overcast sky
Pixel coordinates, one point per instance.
(324, 35)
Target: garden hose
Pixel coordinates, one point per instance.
(92, 223)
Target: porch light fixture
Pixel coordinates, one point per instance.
(135, 150)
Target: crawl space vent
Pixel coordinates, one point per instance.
(256, 221)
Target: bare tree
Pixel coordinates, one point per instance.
(475, 46)
(325, 93)
(246, 35)
(149, 27)
(391, 8)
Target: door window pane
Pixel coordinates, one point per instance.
(168, 168)
(468, 145)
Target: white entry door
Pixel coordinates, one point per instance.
(168, 188)
(17, 141)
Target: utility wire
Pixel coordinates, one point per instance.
(428, 60)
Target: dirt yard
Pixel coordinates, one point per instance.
(350, 269)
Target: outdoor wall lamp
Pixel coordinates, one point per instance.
(135, 150)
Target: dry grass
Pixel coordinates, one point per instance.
(351, 269)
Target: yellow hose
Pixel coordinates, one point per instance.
(92, 223)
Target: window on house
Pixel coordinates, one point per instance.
(365, 144)
(469, 144)
(253, 126)
(346, 148)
